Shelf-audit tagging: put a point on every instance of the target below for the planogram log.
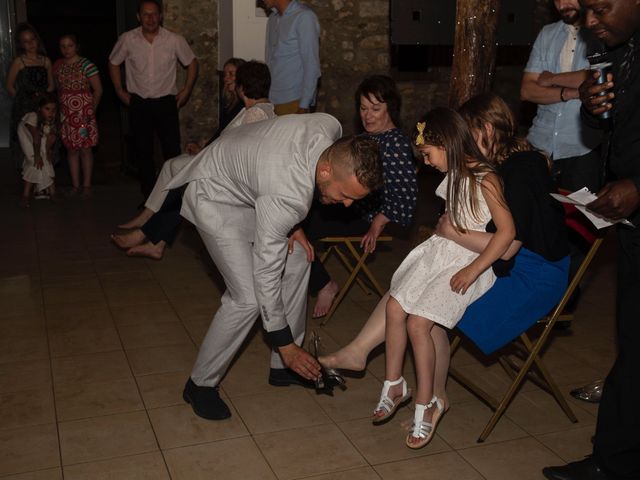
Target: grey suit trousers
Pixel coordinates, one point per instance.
(239, 309)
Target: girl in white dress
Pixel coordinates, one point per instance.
(37, 134)
(438, 280)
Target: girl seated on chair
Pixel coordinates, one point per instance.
(532, 274)
(439, 278)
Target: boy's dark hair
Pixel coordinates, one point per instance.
(254, 78)
(383, 89)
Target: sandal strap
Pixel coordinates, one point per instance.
(421, 428)
(385, 403)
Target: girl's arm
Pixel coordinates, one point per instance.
(11, 77)
(471, 240)
(50, 83)
(499, 242)
(96, 86)
(36, 141)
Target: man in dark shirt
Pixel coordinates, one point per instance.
(616, 447)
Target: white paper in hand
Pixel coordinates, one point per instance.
(582, 197)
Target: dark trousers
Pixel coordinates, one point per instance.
(617, 440)
(148, 116)
(330, 221)
(164, 224)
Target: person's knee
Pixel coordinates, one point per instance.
(417, 327)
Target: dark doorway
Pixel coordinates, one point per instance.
(97, 26)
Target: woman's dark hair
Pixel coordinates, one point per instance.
(445, 128)
(230, 99)
(254, 78)
(490, 109)
(383, 89)
(27, 27)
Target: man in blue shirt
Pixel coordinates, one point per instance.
(555, 70)
(292, 54)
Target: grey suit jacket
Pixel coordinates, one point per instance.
(257, 181)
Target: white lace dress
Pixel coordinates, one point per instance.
(421, 283)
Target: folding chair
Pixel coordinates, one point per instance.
(338, 245)
(528, 349)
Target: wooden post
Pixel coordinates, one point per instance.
(474, 50)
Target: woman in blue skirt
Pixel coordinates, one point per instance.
(532, 275)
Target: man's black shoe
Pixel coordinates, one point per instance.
(283, 377)
(205, 401)
(583, 470)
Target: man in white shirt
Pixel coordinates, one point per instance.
(247, 192)
(150, 54)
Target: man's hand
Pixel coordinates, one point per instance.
(461, 281)
(124, 96)
(369, 240)
(590, 94)
(300, 361)
(299, 236)
(616, 200)
(181, 97)
(545, 79)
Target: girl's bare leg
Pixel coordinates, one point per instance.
(87, 167)
(396, 345)
(26, 194)
(443, 358)
(74, 167)
(354, 356)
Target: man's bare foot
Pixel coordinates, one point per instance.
(129, 239)
(344, 359)
(139, 220)
(325, 299)
(148, 249)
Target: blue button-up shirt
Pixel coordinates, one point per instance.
(557, 128)
(292, 54)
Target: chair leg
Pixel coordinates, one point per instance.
(343, 291)
(350, 268)
(366, 270)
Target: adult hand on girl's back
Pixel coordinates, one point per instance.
(444, 228)
(461, 281)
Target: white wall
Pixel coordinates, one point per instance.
(242, 29)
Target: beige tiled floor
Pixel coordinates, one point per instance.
(95, 349)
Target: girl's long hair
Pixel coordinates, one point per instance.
(45, 99)
(445, 128)
(489, 108)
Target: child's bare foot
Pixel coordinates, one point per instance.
(129, 240)
(325, 299)
(139, 220)
(344, 359)
(148, 249)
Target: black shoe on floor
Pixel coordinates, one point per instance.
(583, 470)
(283, 377)
(205, 401)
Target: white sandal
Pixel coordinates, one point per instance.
(422, 429)
(388, 405)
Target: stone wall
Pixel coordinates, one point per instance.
(197, 21)
(354, 43)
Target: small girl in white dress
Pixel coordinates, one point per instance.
(37, 134)
(438, 279)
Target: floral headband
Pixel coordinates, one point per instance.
(426, 138)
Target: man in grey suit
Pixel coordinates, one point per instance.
(247, 192)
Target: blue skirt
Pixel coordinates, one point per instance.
(514, 303)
